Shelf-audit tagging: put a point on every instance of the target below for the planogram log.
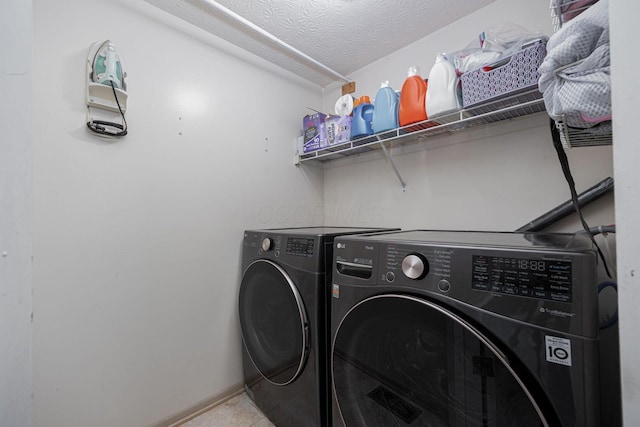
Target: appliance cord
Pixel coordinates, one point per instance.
(564, 163)
(101, 126)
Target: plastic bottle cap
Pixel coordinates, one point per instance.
(413, 71)
(365, 99)
(385, 83)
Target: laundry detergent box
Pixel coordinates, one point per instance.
(315, 132)
(338, 129)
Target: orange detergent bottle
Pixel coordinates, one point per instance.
(412, 99)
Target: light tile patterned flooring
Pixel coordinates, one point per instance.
(236, 412)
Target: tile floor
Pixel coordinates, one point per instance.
(236, 412)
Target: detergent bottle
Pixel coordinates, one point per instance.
(413, 99)
(362, 117)
(385, 111)
(442, 96)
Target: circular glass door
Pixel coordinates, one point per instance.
(273, 322)
(403, 361)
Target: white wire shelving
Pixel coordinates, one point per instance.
(518, 105)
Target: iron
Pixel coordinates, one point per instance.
(106, 89)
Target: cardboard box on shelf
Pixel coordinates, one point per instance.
(315, 132)
(338, 129)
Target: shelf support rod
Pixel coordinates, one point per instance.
(393, 165)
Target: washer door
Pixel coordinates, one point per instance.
(274, 324)
(399, 360)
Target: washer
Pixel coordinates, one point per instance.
(284, 321)
(445, 328)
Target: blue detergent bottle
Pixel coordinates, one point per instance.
(362, 117)
(385, 112)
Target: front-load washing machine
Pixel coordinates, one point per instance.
(436, 328)
(283, 319)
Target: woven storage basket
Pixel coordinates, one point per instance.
(518, 74)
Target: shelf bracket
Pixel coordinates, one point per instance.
(393, 165)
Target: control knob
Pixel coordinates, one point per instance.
(267, 243)
(415, 266)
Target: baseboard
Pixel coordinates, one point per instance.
(201, 407)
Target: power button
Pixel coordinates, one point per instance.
(390, 276)
(444, 285)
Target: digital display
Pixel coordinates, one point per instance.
(300, 246)
(535, 278)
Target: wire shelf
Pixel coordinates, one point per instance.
(511, 107)
(574, 137)
(563, 11)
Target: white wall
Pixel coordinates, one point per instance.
(626, 90)
(137, 241)
(494, 177)
(15, 215)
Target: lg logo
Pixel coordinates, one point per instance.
(341, 245)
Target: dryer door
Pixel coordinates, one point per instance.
(275, 327)
(399, 360)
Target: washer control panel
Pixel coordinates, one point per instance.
(416, 263)
(552, 286)
(450, 269)
(539, 278)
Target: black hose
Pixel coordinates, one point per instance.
(567, 208)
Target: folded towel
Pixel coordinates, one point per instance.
(581, 91)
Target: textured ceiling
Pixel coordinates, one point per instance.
(344, 35)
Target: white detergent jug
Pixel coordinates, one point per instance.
(442, 94)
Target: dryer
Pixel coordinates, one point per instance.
(446, 328)
(284, 321)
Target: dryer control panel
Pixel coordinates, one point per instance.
(300, 246)
(298, 251)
